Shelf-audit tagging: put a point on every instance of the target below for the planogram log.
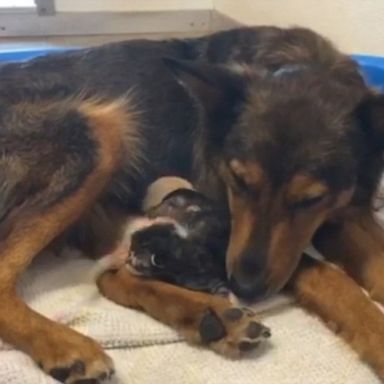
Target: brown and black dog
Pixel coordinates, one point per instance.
(276, 125)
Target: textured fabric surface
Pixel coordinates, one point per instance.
(301, 349)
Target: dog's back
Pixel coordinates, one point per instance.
(135, 70)
(171, 141)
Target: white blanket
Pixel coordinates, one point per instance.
(301, 350)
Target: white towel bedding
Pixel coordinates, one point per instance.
(301, 350)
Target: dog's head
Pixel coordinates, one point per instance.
(289, 150)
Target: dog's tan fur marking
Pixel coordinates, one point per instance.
(305, 187)
(357, 245)
(284, 253)
(251, 173)
(243, 222)
(110, 119)
(338, 300)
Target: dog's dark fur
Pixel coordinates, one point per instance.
(275, 125)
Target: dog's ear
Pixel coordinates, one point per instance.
(219, 91)
(370, 114)
(213, 86)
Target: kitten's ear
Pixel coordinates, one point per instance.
(370, 114)
(212, 85)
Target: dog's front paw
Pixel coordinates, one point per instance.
(232, 332)
(70, 357)
(229, 330)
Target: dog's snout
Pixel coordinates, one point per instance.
(251, 263)
(247, 279)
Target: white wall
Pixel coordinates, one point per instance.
(356, 26)
(112, 17)
(129, 5)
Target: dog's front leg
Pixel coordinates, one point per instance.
(330, 293)
(201, 318)
(50, 175)
(63, 353)
(357, 244)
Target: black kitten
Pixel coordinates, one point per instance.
(189, 248)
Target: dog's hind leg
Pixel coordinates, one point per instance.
(357, 244)
(201, 318)
(64, 163)
(340, 302)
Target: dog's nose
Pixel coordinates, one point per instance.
(249, 291)
(247, 279)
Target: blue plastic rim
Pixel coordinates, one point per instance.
(28, 53)
(372, 67)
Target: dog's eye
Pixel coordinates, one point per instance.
(308, 202)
